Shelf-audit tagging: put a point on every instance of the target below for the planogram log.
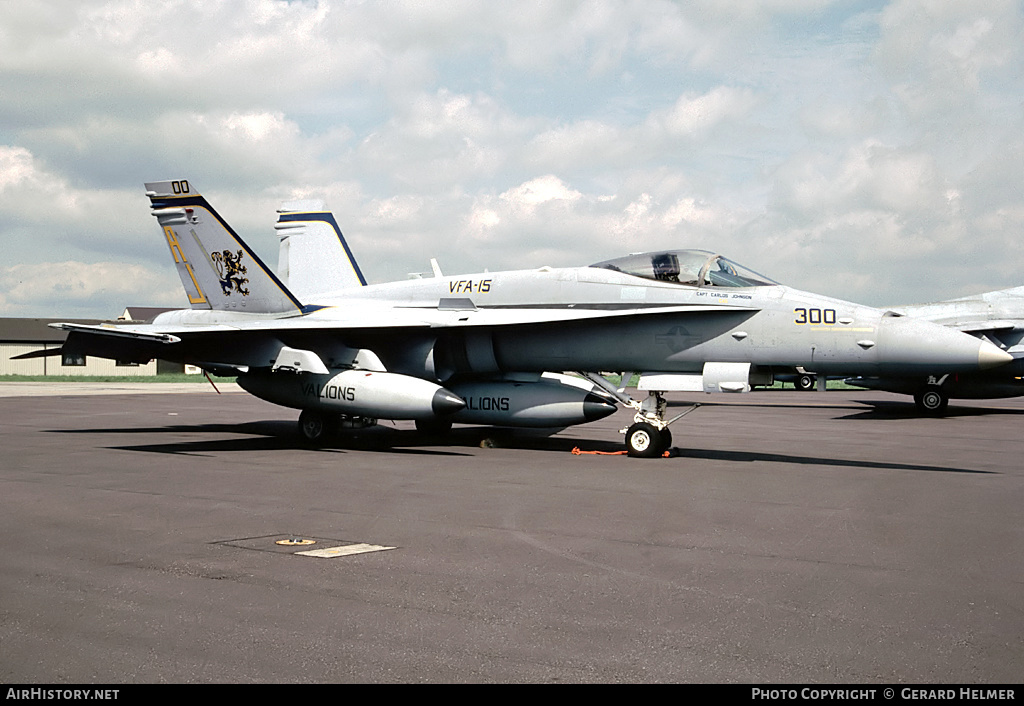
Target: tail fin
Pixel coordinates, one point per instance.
(314, 257)
(219, 271)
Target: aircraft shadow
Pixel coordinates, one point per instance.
(271, 435)
(750, 456)
(885, 409)
(758, 404)
(274, 435)
(879, 409)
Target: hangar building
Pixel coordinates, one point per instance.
(18, 336)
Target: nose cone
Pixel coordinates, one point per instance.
(990, 356)
(910, 346)
(445, 402)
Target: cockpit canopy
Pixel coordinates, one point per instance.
(696, 268)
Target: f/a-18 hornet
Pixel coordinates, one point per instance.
(997, 317)
(479, 348)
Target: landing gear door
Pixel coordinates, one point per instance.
(670, 382)
(726, 377)
(717, 377)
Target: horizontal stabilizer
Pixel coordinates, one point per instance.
(117, 331)
(46, 353)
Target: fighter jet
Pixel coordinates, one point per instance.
(479, 348)
(996, 317)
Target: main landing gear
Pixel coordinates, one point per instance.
(434, 426)
(648, 436)
(805, 382)
(316, 427)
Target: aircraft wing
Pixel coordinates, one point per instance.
(243, 344)
(403, 318)
(983, 326)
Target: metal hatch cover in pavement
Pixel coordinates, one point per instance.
(293, 543)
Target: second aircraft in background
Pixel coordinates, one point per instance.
(996, 317)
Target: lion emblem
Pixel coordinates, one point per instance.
(230, 270)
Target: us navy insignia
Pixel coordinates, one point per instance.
(677, 338)
(230, 270)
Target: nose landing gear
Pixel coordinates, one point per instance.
(644, 440)
(648, 436)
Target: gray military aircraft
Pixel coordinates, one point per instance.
(996, 317)
(478, 348)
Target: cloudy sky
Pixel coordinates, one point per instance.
(867, 150)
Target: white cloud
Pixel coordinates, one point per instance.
(869, 175)
(694, 114)
(16, 167)
(537, 191)
(943, 58)
(791, 134)
(100, 289)
(34, 195)
(583, 142)
(258, 127)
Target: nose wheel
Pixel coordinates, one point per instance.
(644, 440)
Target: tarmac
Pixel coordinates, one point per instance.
(790, 537)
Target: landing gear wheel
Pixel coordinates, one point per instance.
(644, 440)
(315, 426)
(434, 426)
(805, 382)
(931, 400)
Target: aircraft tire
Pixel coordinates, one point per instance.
(666, 439)
(315, 427)
(644, 440)
(805, 382)
(434, 426)
(931, 400)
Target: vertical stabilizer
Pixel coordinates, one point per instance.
(314, 257)
(218, 270)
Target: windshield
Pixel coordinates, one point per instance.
(697, 268)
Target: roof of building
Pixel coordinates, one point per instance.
(36, 330)
(143, 313)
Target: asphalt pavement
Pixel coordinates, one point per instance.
(789, 537)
